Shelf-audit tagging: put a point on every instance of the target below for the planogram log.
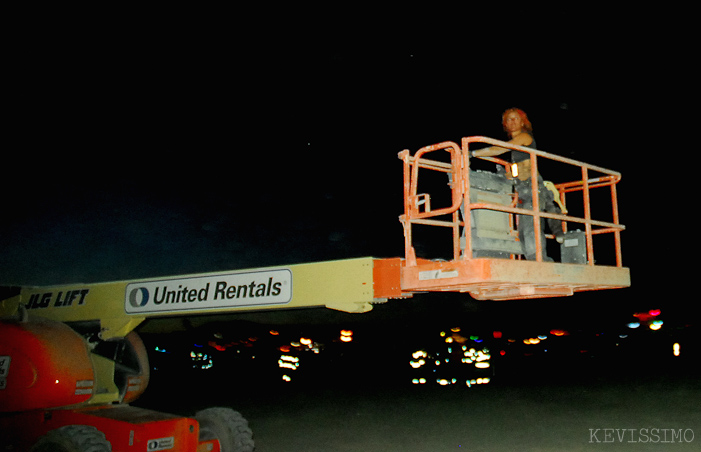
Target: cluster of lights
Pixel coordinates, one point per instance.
(201, 360)
(453, 381)
(304, 344)
(419, 359)
(346, 336)
(647, 317)
(288, 362)
(458, 351)
(534, 340)
(479, 358)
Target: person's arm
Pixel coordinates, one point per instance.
(522, 139)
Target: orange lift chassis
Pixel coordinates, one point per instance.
(71, 362)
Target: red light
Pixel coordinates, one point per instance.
(502, 353)
(655, 312)
(497, 334)
(559, 332)
(643, 316)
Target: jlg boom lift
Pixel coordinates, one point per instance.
(71, 362)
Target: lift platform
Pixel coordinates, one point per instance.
(476, 224)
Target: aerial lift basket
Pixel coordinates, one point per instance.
(481, 212)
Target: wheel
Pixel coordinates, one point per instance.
(228, 426)
(73, 438)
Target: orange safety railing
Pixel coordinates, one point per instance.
(418, 209)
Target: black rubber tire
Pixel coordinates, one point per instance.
(228, 426)
(73, 438)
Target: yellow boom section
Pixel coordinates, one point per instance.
(345, 285)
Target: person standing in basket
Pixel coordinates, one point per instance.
(520, 131)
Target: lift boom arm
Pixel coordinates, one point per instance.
(346, 285)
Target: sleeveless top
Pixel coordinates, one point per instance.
(518, 156)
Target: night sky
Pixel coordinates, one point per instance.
(162, 155)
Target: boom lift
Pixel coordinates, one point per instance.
(71, 362)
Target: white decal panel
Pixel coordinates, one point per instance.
(246, 289)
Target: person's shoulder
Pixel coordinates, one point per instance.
(522, 139)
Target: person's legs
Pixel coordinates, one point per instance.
(526, 230)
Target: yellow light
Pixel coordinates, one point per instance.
(442, 333)
(346, 332)
(305, 341)
(449, 340)
(346, 339)
(482, 365)
(286, 378)
(455, 330)
(656, 325)
(514, 169)
(293, 359)
(274, 333)
(676, 349)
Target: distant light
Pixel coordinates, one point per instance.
(676, 349)
(655, 312)
(497, 334)
(482, 365)
(305, 341)
(455, 330)
(542, 337)
(417, 364)
(633, 325)
(559, 333)
(274, 333)
(286, 378)
(656, 325)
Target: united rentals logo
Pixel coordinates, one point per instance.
(247, 289)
